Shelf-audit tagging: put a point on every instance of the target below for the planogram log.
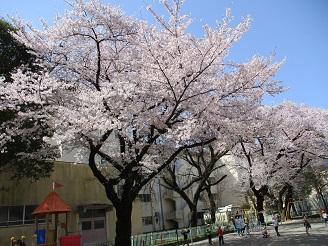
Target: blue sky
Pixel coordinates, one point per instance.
(295, 29)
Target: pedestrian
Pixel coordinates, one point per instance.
(20, 243)
(242, 226)
(209, 233)
(238, 225)
(307, 226)
(306, 215)
(13, 241)
(325, 217)
(276, 225)
(185, 232)
(220, 233)
(247, 227)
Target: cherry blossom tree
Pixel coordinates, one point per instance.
(280, 143)
(198, 177)
(134, 94)
(317, 178)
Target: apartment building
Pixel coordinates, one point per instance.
(164, 209)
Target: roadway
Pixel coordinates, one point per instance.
(292, 233)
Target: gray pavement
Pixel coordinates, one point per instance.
(292, 233)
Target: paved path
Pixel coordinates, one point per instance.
(292, 233)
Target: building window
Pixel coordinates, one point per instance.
(148, 220)
(145, 197)
(4, 215)
(86, 225)
(99, 224)
(93, 213)
(200, 215)
(18, 215)
(29, 219)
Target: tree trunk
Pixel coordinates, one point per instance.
(281, 209)
(280, 205)
(259, 194)
(123, 204)
(123, 223)
(212, 203)
(288, 200)
(193, 215)
(260, 207)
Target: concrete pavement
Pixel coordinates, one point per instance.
(292, 233)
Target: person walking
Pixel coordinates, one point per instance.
(307, 226)
(209, 234)
(185, 232)
(247, 227)
(325, 217)
(238, 225)
(242, 226)
(276, 226)
(220, 234)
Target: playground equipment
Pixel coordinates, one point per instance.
(53, 205)
(225, 216)
(298, 208)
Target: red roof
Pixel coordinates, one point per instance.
(52, 204)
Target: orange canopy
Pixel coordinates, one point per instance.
(52, 204)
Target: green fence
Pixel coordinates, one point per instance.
(172, 237)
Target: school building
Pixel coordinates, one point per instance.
(92, 214)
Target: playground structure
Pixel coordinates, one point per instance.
(225, 216)
(51, 207)
(299, 208)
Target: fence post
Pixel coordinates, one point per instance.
(190, 232)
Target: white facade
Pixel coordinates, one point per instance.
(168, 210)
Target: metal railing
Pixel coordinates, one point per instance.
(48, 244)
(108, 243)
(169, 236)
(175, 236)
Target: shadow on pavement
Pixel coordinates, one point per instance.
(285, 240)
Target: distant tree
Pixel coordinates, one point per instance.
(281, 142)
(316, 177)
(133, 94)
(13, 54)
(24, 153)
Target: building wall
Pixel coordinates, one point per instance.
(80, 190)
(176, 213)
